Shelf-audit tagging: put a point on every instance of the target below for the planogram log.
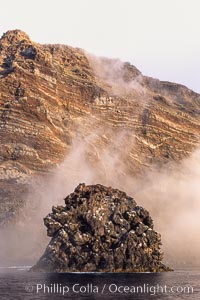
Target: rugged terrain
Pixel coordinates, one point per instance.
(53, 95)
(100, 229)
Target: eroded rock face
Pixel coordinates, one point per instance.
(100, 229)
(53, 95)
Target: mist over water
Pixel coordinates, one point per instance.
(172, 198)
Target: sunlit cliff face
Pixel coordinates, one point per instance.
(96, 120)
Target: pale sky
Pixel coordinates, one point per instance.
(160, 37)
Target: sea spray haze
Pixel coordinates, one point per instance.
(69, 117)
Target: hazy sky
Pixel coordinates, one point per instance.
(160, 37)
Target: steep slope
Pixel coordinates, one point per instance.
(53, 95)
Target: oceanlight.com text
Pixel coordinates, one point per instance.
(112, 288)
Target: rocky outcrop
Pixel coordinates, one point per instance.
(52, 94)
(100, 229)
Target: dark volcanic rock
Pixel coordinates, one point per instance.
(100, 229)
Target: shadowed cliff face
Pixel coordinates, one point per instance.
(67, 116)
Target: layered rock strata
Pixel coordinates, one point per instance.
(52, 95)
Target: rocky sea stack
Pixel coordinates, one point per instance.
(100, 229)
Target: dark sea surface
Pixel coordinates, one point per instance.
(17, 283)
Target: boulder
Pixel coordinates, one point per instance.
(100, 229)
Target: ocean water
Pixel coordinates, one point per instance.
(16, 283)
